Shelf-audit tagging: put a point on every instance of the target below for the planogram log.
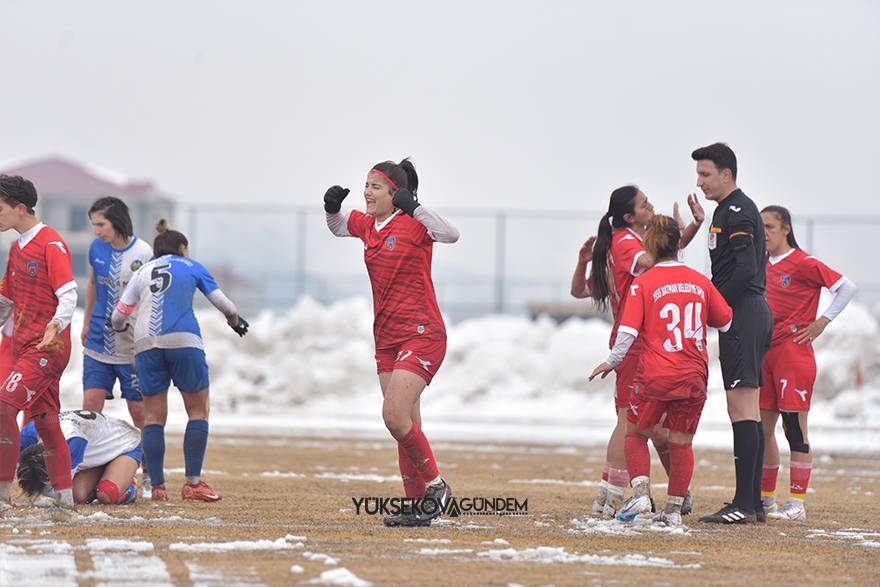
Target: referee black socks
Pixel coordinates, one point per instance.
(746, 442)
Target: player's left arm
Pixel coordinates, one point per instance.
(61, 279)
(208, 286)
(439, 229)
(720, 314)
(128, 301)
(841, 288)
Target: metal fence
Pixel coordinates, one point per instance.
(505, 260)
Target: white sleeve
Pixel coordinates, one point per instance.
(622, 343)
(338, 223)
(222, 303)
(438, 227)
(127, 302)
(66, 306)
(5, 310)
(844, 291)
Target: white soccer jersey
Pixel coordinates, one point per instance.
(106, 438)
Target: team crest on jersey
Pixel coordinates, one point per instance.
(389, 242)
(785, 280)
(32, 268)
(136, 264)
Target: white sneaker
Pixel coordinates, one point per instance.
(794, 511)
(613, 503)
(671, 519)
(599, 502)
(633, 507)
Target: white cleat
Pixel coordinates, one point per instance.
(671, 519)
(793, 511)
(613, 503)
(635, 506)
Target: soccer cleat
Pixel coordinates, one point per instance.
(613, 502)
(599, 502)
(404, 518)
(62, 512)
(730, 514)
(671, 519)
(435, 500)
(634, 506)
(147, 491)
(199, 492)
(158, 493)
(131, 492)
(793, 511)
(760, 514)
(687, 505)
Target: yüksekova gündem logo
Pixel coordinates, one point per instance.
(455, 507)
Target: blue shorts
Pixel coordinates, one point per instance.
(136, 453)
(99, 375)
(157, 368)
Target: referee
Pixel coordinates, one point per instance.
(737, 250)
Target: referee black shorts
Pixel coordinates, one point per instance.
(742, 348)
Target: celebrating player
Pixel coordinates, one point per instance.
(114, 256)
(666, 308)
(398, 235)
(105, 453)
(168, 347)
(40, 292)
(617, 258)
(737, 252)
(794, 281)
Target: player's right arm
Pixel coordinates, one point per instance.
(91, 294)
(580, 284)
(337, 221)
(630, 324)
(129, 299)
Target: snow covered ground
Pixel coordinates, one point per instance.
(311, 371)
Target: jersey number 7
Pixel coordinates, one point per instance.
(693, 327)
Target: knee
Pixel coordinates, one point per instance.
(397, 422)
(107, 492)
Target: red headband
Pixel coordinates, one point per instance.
(388, 179)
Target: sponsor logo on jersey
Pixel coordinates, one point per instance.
(43, 362)
(420, 329)
(389, 242)
(32, 268)
(136, 264)
(785, 280)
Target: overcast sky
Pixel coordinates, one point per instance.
(522, 104)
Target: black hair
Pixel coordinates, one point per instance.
(718, 153)
(662, 237)
(15, 190)
(33, 476)
(167, 242)
(403, 174)
(785, 218)
(116, 212)
(622, 202)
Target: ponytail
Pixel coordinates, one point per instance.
(785, 219)
(622, 202)
(167, 241)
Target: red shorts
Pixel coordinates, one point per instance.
(625, 375)
(420, 356)
(31, 382)
(789, 373)
(682, 415)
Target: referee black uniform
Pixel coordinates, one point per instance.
(738, 253)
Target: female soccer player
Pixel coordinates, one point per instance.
(618, 257)
(794, 281)
(666, 308)
(39, 288)
(114, 256)
(105, 453)
(398, 235)
(168, 347)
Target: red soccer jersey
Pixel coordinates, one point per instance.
(668, 307)
(33, 274)
(398, 259)
(626, 248)
(793, 286)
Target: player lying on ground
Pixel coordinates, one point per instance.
(668, 307)
(105, 453)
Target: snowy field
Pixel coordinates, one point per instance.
(505, 378)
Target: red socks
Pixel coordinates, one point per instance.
(413, 486)
(110, 490)
(56, 452)
(638, 459)
(416, 447)
(681, 468)
(768, 480)
(800, 479)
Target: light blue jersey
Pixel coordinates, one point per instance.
(112, 270)
(164, 289)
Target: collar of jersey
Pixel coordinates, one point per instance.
(669, 264)
(28, 236)
(775, 260)
(634, 233)
(379, 226)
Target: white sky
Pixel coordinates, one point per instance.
(521, 104)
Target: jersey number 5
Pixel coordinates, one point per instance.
(693, 327)
(160, 278)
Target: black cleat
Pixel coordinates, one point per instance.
(688, 505)
(404, 518)
(435, 500)
(760, 514)
(730, 514)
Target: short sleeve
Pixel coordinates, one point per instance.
(626, 254)
(634, 310)
(818, 273)
(58, 264)
(719, 312)
(359, 224)
(204, 280)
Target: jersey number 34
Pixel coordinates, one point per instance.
(693, 327)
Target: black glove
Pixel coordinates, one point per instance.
(333, 198)
(405, 200)
(110, 324)
(241, 327)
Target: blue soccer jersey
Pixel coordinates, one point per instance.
(164, 289)
(112, 269)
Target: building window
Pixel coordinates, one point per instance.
(79, 219)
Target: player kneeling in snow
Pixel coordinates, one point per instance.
(667, 307)
(105, 454)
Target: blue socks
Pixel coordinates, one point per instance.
(195, 442)
(154, 452)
